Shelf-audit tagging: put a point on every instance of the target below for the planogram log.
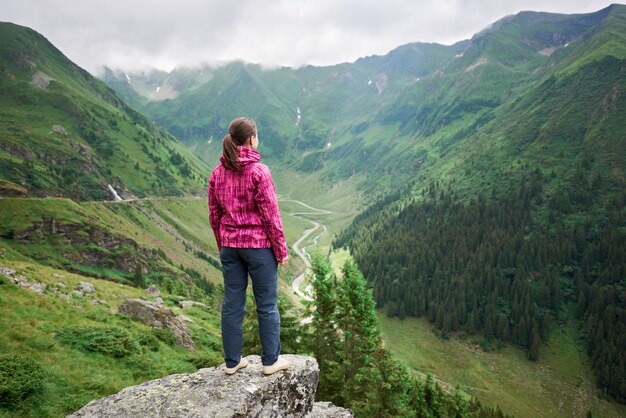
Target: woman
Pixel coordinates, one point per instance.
(244, 215)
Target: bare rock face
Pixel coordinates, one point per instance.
(158, 316)
(153, 291)
(41, 80)
(328, 410)
(211, 393)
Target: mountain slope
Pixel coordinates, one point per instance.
(303, 114)
(500, 160)
(519, 226)
(65, 133)
(385, 118)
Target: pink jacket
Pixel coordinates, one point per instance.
(243, 208)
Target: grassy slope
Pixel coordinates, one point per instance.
(342, 199)
(560, 384)
(73, 377)
(30, 320)
(73, 136)
(178, 227)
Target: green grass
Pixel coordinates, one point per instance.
(342, 199)
(176, 227)
(102, 140)
(560, 384)
(73, 376)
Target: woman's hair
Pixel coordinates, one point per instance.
(239, 131)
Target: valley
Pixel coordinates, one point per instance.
(561, 384)
(480, 187)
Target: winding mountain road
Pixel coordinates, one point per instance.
(296, 283)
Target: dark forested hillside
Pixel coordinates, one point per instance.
(508, 266)
(522, 228)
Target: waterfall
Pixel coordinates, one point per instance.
(115, 195)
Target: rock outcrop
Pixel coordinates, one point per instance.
(328, 410)
(92, 246)
(158, 316)
(211, 393)
(153, 291)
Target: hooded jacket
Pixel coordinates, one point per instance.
(243, 207)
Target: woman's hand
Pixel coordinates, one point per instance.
(284, 261)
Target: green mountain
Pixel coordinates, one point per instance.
(493, 170)
(305, 116)
(65, 133)
(519, 227)
(500, 163)
(391, 114)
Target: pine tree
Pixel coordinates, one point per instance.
(533, 350)
(356, 317)
(323, 341)
(394, 387)
(138, 279)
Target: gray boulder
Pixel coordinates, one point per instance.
(158, 316)
(153, 291)
(85, 287)
(186, 304)
(211, 393)
(328, 410)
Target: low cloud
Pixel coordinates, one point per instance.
(141, 34)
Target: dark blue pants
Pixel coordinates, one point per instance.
(261, 264)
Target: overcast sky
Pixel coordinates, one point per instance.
(140, 34)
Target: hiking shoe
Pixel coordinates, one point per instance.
(281, 364)
(232, 370)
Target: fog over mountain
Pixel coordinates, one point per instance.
(140, 34)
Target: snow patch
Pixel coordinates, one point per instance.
(458, 55)
(114, 193)
(481, 61)
(328, 145)
(41, 80)
(546, 52)
(128, 78)
(298, 115)
(158, 88)
(369, 82)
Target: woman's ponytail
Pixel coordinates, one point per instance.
(230, 150)
(239, 131)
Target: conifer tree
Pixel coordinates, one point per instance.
(323, 340)
(533, 350)
(356, 317)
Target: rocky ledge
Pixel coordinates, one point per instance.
(211, 393)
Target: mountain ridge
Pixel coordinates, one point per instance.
(61, 127)
(354, 104)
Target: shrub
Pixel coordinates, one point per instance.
(20, 377)
(109, 340)
(203, 359)
(142, 366)
(165, 335)
(148, 341)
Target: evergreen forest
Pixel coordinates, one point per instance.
(510, 266)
